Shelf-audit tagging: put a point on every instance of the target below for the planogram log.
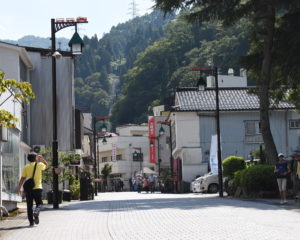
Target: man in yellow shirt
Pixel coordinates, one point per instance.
(36, 193)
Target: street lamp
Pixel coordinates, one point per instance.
(104, 141)
(214, 71)
(76, 44)
(161, 133)
(55, 27)
(138, 156)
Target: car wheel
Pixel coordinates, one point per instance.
(213, 188)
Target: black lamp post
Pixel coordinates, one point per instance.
(104, 141)
(137, 156)
(55, 27)
(220, 172)
(214, 71)
(161, 133)
(95, 155)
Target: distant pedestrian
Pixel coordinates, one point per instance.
(121, 183)
(146, 185)
(139, 183)
(282, 170)
(151, 183)
(35, 167)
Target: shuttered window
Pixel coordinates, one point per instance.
(252, 127)
(295, 123)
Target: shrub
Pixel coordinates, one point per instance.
(232, 164)
(75, 189)
(238, 177)
(257, 178)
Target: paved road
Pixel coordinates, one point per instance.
(130, 216)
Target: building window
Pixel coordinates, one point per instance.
(104, 159)
(119, 157)
(295, 123)
(252, 128)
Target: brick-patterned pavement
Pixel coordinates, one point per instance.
(130, 216)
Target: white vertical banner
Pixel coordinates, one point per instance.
(114, 152)
(213, 158)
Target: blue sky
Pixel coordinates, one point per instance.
(32, 17)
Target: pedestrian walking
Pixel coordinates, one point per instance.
(282, 170)
(295, 169)
(139, 183)
(146, 185)
(33, 171)
(152, 183)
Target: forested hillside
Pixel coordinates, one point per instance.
(168, 63)
(152, 55)
(39, 42)
(114, 53)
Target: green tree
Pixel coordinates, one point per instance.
(65, 160)
(106, 170)
(18, 91)
(264, 14)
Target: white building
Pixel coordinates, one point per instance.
(36, 120)
(193, 124)
(16, 64)
(119, 151)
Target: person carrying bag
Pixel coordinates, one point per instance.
(33, 186)
(29, 183)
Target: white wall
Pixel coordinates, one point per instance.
(10, 57)
(227, 81)
(187, 130)
(10, 65)
(193, 145)
(129, 130)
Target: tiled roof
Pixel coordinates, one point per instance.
(230, 99)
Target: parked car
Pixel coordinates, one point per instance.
(194, 185)
(207, 183)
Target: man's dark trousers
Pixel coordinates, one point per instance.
(35, 195)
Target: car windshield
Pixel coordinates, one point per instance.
(207, 174)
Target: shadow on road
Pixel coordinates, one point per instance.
(182, 203)
(13, 228)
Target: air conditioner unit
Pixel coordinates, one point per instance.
(38, 148)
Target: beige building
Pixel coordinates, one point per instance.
(119, 152)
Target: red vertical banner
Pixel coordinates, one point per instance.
(152, 137)
(152, 151)
(151, 125)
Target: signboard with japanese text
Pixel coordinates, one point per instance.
(152, 151)
(151, 124)
(213, 159)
